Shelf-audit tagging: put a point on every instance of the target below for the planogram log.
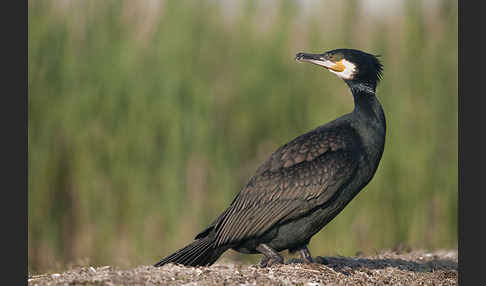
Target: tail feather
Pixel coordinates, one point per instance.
(199, 253)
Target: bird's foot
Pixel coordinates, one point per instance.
(270, 256)
(321, 260)
(269, 261)
(305, 256)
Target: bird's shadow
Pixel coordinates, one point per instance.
(348, 265)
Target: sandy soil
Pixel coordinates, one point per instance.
(387, 268)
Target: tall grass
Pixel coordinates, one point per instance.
(146, 118)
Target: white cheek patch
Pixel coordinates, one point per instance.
(348, 72)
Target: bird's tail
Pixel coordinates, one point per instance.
(199, 253)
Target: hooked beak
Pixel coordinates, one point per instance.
(320, 60)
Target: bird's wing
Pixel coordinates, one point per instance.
(298, 177)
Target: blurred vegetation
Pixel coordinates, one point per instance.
(145, 118)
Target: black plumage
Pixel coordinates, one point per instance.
(306, 182)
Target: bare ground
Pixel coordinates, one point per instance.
(387, 268)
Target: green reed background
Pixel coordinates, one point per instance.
(145, 118)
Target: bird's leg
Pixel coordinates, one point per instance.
(305, 255)
(270, 256)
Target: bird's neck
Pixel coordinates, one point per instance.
(365, 102)
(370, 123)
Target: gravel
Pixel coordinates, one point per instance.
(387, 268)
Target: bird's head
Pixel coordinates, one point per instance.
(353, 66)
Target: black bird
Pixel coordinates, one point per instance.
(306, 182)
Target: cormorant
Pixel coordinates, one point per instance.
(306, 182)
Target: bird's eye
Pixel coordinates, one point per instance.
(336, 57)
